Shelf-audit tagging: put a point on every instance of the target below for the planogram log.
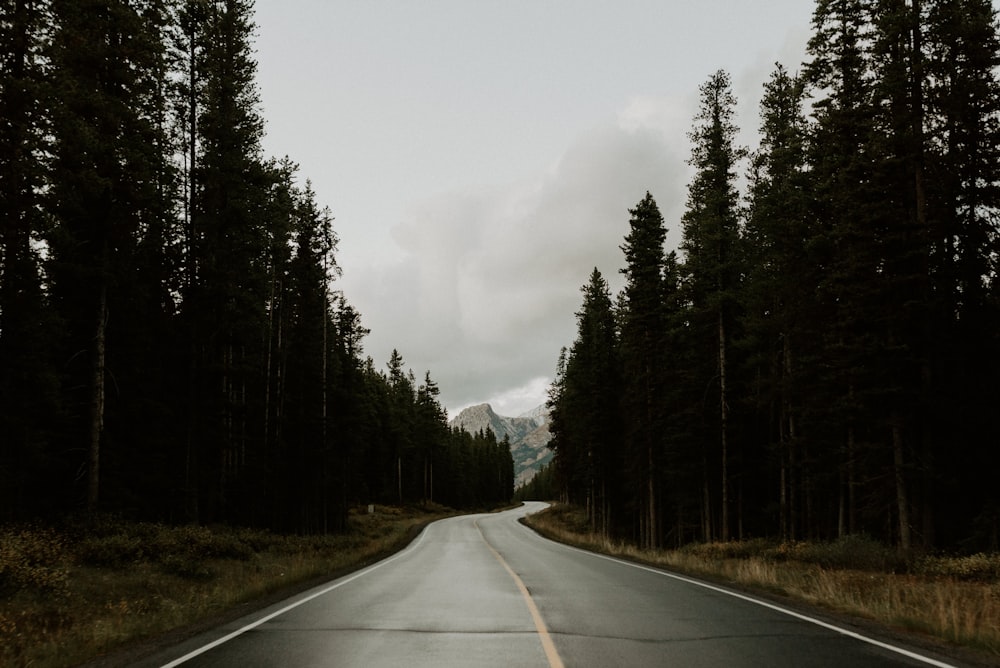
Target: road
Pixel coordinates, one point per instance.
(484, 590)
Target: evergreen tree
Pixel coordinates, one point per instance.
(226, 258)
(309, 455)
(712, 263)
(962, 138)
(350, 410)
(842, 165)
(780, 309)
(560, 421)
(105, 192)
(588, 441)
(400, 425)
(431, 432)
(643, 335)
(28, 372)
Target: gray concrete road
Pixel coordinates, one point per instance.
(483, 590)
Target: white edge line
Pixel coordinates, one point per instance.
(772, 606)
(267, 618)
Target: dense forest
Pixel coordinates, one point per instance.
(171, 345)
(819, 358)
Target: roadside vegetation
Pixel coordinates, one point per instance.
(955, 599)
(70, 595)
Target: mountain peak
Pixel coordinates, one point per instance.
(540, 413)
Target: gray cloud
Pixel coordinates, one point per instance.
(490, 278)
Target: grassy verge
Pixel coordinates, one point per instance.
(952, 599)
(67, 596)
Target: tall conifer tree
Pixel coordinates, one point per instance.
(643, 335)
(106, 191)
(227, 255)
(28, 373)
(712, 263)
(590, 391)
(779, 308)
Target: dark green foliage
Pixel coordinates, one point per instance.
(785, 250)
(589, 391)
(712, 273)
(29, 390)
(181, 355)
(643, 339)
(820, 365)
(542, 487)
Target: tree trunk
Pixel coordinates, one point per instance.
(651, 490)
(723, 418)
(97, 401)
(902, 500)
(706, 505)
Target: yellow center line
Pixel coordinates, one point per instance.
(543, 633)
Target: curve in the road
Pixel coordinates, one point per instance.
(443, 602)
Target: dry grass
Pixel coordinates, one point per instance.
(956, 600)
(67, 597)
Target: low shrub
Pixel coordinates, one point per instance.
(33, 559)
(185, 566)
(980, 567)
(200, 542)
(853, 552)
(112, 551)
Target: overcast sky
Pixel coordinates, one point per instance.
(480, 157)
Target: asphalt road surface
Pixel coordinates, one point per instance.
(483, 590)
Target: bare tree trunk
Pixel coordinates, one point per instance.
(651, 490)
(97, 402)
(783, 498)
(706, 505)
(723, 418)
(268, 353)
(793, 488)
(786, 435)
(852, 476)
(902, 500)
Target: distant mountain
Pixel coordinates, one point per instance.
(528, 433)
(541, 414)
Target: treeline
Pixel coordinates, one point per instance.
(170, 345)
(543, 486)
(820, 358)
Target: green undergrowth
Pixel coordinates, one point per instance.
(72, 594)
(954, 599)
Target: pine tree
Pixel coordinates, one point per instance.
(842, 165)
(962, 139)
(226, 258)
(560, 422)
(587, 432)
(780, 308)
(105, 191)
(711, 247)
(431, 430)
(28, 371)
(399, 419)
(311, 460)
(643, 334)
